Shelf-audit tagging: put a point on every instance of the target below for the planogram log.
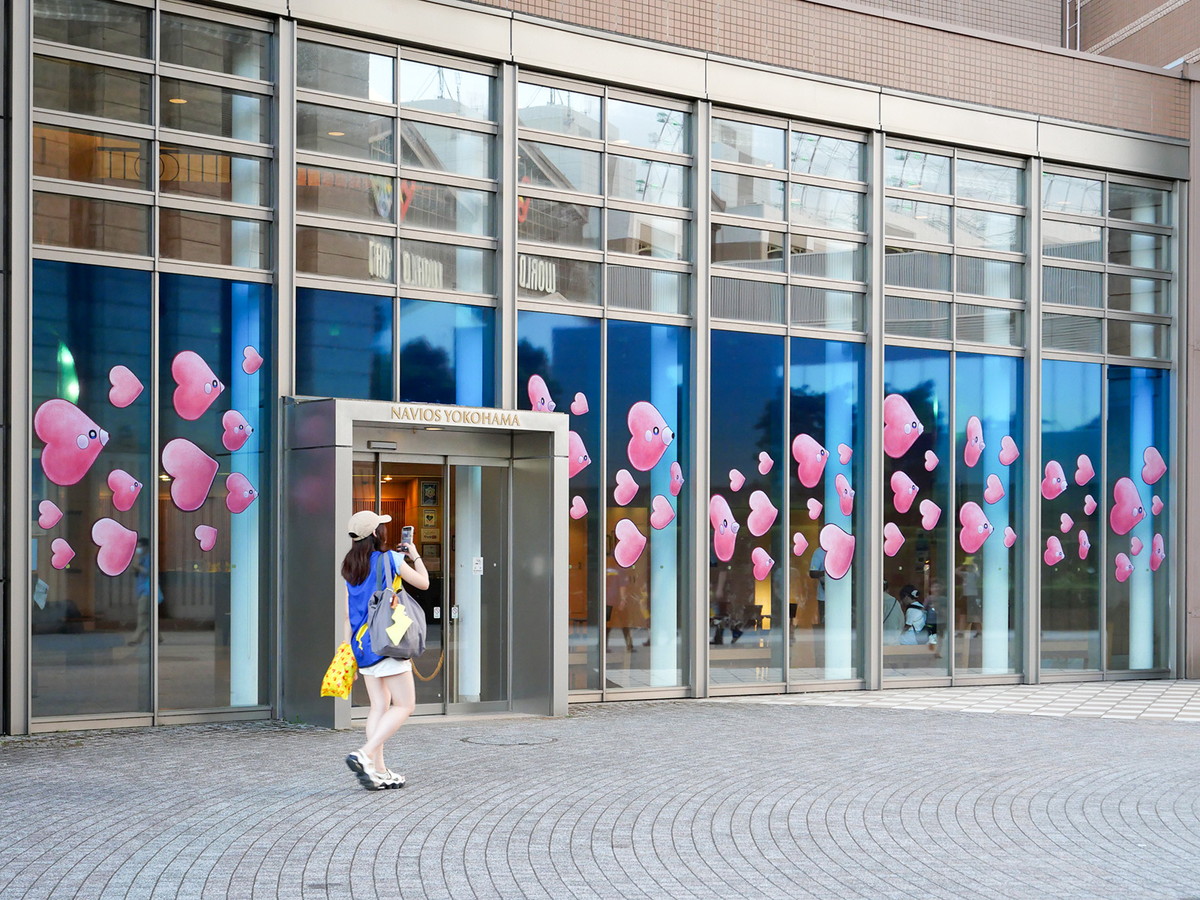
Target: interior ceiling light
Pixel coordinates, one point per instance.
(336, 133)
(176, 100)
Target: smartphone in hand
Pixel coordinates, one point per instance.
(406, 536)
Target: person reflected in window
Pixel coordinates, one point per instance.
(893, 617)
(915, 630)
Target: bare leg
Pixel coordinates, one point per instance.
(397, 698)
(381, 699)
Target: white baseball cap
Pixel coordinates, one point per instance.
(364, 522)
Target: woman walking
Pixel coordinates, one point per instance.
(389, 681)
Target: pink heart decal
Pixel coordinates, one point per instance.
(736, 480)
(251, 360)
(799, 544)
(73, 441)
(975, 527)
(630, 543)
(61, 553)
(1084, 472)
(198, 386)
(49, 515)
(904, 491)
(845, 494)
(193, 471)
(662, 513)
(1127, 509)
(649, 436)
(1135, 546)
(1008, 451)
(126, 387)
(676, 479)
(1124, 567)
(762, 563)
(626, 488)
(844, 453)
(724, 525)
(1010, 536)
(577, 455)
(1154, 467)
(839, 551)
(237, 430)
(1158, 552)
(814, 508)
(125, 489)
(930, 514)
(1054, 551)
(539, 394)
(893, 540)
(994, 492)
(931, 461)
(207, 536)
(1055, 481)
(1156, 504)
(579, 508)
(1065, 523)
(765, 463)
(1089, 505)
(810, 459)
(579, 406)
(762, 514)
(1084, 544)
(116, 543)
(241, 493)
(901, 427)
(974, 446)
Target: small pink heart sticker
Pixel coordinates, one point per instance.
(845, 494)
(931, 461)
(579, 405)
(736, 480)
(762, 514)
(125, 489)
(1008, 451)
(838, 545)
(116, 543)
(49, 515)
(762, 563)
(814, 508)
(251, 360)
(626, 488)
(1158, 552)
(1084, 544)
(1054, 551)
(237, 430)
(126, 387)
(765, 463)
(662, 514)
(1089, 505)
(1135, 546)
(994, 492)
(1124, 567)
(1084, 472)
(193, 472)
(1065, 523)
(1154, 467)
(799, 544)
(676, 479)
(630, 543)
(1055, 481)
(579, 508)
(240, 493)
(844, 453)
(930, 514)
(904, 491)
(1010, 536)
(893, 540)
(61, 553)
(207, 536)
(1156, 504)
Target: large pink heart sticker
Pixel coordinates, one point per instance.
(649, 436)
(844, 453)
(539, 394)
(1010, 536)
(736, 480)
(579, 406)
(1008, 451)
(125, 489)
(237, 430)
(931, 460)
(1123, 566)
(799, 544)
(1154, 467)
(1085, 544)
(630, 544)
(893, 540)
(762, 514)
(73, 441)
(577, 455)
(1158, 552)
(839, 551)
(626, 488)
(193, 472)
(1156, 504)
(1055, 481)
(1084, 471)
(975, 527)
(975, 445)
(1127, 509)
(206, 536)
(1089, 505)
(662, 514)
(197, 387)
(241, 493)
(814, 508)
(126, 387)
(724, 526)
(810, 459)
(61, 553)
(994, 492)
(762, 563)
(251, 360)
(116, 543)
(579, 508)
(765, 463)
(930, 514)
(676, 479)
(1065, 523)
(904, 491)
(901, 427)
(1054, 551)
(845, 494)
(49, 515)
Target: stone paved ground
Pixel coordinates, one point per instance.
(788, 797)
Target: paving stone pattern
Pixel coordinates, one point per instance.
(753, 797)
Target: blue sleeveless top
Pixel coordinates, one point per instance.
(360, 606)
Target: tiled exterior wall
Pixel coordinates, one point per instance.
(1170, 30)
(862, 47)
(1029, 20)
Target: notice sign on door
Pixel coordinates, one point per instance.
(477, 565)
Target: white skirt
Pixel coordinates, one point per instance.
(387, 666)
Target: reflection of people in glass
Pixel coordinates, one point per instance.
(725, 609)
(619, 602)
(141, 582)
(893, 617)
(970, 613)
(935, 608)
(816, 569)
(914, 631)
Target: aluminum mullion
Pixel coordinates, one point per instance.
(871, 629)
(506, 333)
(702, 413)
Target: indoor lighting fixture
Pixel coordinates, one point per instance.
(176, 100)
(336, 133)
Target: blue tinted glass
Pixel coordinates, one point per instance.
(649, 406)
(92, 482)
(343, 345)
(826, 577)
(989, 469)
(1137, 567)
(747, 587)
(1071, 443)
(447, 353)
(210, 326)
(920, 525)
(558, 362)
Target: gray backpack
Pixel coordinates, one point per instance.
(380, 613)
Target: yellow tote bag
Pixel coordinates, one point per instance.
(339, 677)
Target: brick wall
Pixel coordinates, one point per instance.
(1153, 32)
(1029, 20)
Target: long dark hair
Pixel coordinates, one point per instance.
(356, 566)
